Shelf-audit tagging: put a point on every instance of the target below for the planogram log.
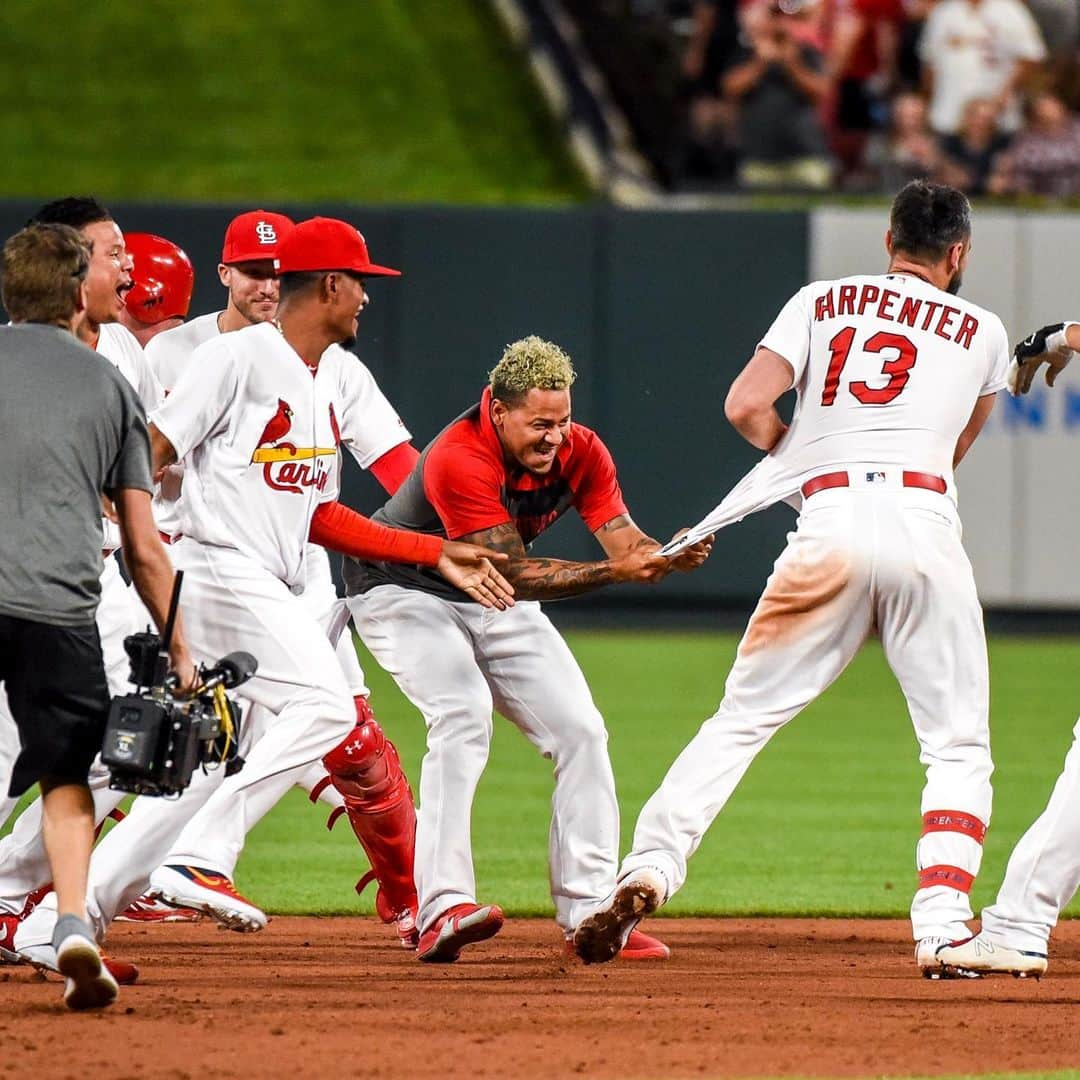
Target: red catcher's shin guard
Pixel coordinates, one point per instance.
(366, 770)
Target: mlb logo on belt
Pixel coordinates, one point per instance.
(266, 233)
(875, 478)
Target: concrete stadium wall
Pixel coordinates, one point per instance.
(660, 310)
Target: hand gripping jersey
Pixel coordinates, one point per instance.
(887, 370)
(259, 437)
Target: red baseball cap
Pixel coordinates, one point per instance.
(328, 244)
(254, 236)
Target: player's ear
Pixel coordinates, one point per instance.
(224, 274)
(80, 299)
(888, 242)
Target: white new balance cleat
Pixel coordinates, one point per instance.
(600, 936)
(929, 963)
(979, 956)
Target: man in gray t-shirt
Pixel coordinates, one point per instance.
(73, 431)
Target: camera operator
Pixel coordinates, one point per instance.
(74, 432)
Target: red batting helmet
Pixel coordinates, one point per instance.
(163, 276)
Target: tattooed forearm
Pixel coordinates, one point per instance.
(539, 578)
(620, 535)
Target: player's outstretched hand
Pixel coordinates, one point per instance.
(692, 557)
(642, 565)
(1047, 345)
(470, 568)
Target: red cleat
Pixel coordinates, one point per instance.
(461, 925)
(640, 946)
(148, 909)
(8, 925)
(123, 972)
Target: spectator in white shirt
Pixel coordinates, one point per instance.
(978, 49)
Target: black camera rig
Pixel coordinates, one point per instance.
(155, 738)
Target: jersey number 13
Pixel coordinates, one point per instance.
(897, 369)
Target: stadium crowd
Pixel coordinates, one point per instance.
(864, 95)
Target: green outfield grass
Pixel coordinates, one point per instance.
(384, 101)
(824, 824)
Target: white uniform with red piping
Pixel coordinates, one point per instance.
(259, 433)
(888, 370)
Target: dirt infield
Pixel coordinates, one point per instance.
(335, 997)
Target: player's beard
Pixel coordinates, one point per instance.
(348, 342)
(953, 288)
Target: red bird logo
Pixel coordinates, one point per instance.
(279, 424)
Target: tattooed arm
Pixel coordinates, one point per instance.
(631, 558)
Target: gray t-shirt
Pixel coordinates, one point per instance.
(71, 428)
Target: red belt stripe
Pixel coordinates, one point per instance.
(840, 479)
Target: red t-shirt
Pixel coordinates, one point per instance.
(470, 486)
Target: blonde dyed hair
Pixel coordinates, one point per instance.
(528, 364)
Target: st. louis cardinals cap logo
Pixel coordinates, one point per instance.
(286, 466)
(266, 233)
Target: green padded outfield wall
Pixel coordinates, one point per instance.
(658, 309)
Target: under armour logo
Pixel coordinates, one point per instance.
(266, 233)
(352, 746)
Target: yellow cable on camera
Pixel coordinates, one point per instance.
(224, 715)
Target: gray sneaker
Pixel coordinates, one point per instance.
(980, 956)
(87, 982)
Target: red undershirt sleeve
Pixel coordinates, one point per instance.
(598, 497)
(394, 466)
(464, 487)
(338, 528)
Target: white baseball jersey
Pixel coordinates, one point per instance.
(121, 348)
(887, 368)
(259, 437)
(168, 352)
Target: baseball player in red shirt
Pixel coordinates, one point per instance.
(500, 475)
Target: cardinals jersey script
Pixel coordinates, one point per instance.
(886, 368)
(278, 426)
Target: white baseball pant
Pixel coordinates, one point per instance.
(229, 601)
(1043, 873)
(24, 865)
(455, 662)
(320, 599)
(873, 555)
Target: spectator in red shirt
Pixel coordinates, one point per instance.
(506, 470)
